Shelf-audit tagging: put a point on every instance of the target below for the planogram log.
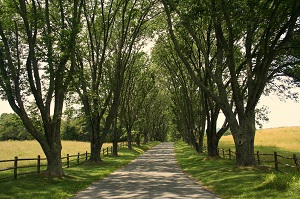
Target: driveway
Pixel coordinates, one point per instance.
(155, 174)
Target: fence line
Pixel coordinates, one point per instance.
(75, 159)
(273, 160)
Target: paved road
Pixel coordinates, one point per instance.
(155, 174)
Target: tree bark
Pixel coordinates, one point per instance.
(115, 148)
(243, 137)
(95, 150)
(146, 139)
(53, 154)
(129, 139)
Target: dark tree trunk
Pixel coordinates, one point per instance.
(129, 138)
(95, 150)
(243, 135)
(54, 167)
(200, 141)
(212, 140)
(146, 139)
(138, 139)
(115, 148)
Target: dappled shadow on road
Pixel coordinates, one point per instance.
(155, 174)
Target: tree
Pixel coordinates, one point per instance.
(36, 64)
(12, 128)
(186, 96)
(137, 86)
(93, 72)
(112, 38)
(244, 55)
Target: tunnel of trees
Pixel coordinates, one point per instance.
(143, 70)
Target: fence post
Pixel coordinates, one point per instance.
(16, 168)
(38, 164)
(78, 158)
(107, 151)
(258, 158)
(111, 149)
(103, 152)
(275, 161)
(86, 155)
(68, 161)
(229, 151)
(296, 162)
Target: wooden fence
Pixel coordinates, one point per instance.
(271, 160)
(40, 163)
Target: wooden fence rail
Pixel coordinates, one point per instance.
(70, 160)
(272, 160)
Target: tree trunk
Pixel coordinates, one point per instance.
(138, 139)
(145, 137)
(212, 139)
(200, 141)
(115, 148)
(54, 167)
(95, 150)
(244, 141)
(212, 145)
(129, 137)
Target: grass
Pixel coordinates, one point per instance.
(227, 181)
(77, 178)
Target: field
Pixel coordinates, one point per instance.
(284, 139)
(31, 149)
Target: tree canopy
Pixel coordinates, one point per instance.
(89, 56)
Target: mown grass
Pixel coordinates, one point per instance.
(228, 181)
(77, 178)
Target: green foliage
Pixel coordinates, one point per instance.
(12, 128)
(74, 129)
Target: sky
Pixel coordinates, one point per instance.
(281, 113)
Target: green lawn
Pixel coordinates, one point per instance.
(227, 181)
(77, 178)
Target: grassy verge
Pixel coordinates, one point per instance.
(227, 181)
(77, 178)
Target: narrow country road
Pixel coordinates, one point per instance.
(155, 174)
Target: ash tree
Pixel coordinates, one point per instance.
(246, 40)
(37, 45)
(113, 33)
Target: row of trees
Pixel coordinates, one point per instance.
(221, 55)
(86, 54)
(210, 56)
